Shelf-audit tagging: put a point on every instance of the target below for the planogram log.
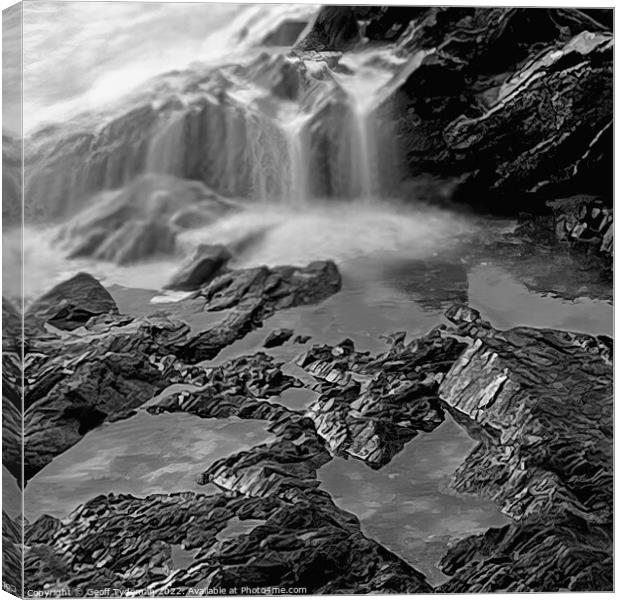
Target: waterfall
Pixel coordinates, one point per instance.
(277, 129)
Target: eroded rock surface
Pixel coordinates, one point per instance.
(540, 402)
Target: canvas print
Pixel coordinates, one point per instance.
(305, 299)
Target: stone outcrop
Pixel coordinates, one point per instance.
(510, 104)
(206, 263)
(540, 402)
(370, 407)
(120, 541)
(12, 554)
(116, 363)
(251, 295)
(71, 304)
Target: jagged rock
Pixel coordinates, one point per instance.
(72, 303)
(278, 337)
(207, 262)
(334, 28)
(12, 554)
(120, 541)
(514, 100)
(540, 402)
(370, 407)
(72, 385)
(117, 363)
(251, 295)
(234, 388)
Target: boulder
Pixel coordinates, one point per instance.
(71, 304)
(206, 263)
(278, 337)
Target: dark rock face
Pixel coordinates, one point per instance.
(278, 337)
(335, 28)
(207, 262)
(515, 100)
(540, 401)
(12, 397)
(72, 303)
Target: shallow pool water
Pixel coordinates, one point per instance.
(142, 455)
(406, 505)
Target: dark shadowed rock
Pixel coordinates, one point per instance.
(335, 28)
(200, 268)
(489, 95)
(71, 303)
(278, 337)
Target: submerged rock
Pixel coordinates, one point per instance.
(206, 263)
(71, 304)
(278, 337)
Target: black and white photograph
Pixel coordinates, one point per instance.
(305, 300)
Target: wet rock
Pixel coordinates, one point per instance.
(278, 337)
(251, 295)
(370, 407)
(540, 402)
(73, 384)
(72, 303)
(125, 542)
(207, 262)
(488, 94)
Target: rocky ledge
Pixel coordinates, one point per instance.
(94, 364)
(539, 403)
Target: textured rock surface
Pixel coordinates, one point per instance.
(116, 363)
(251, 295)
(200, 268)
(303, 540)
(370, 407)
(71, 304)
(12, 554)
(510, 100)
(540, 402)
